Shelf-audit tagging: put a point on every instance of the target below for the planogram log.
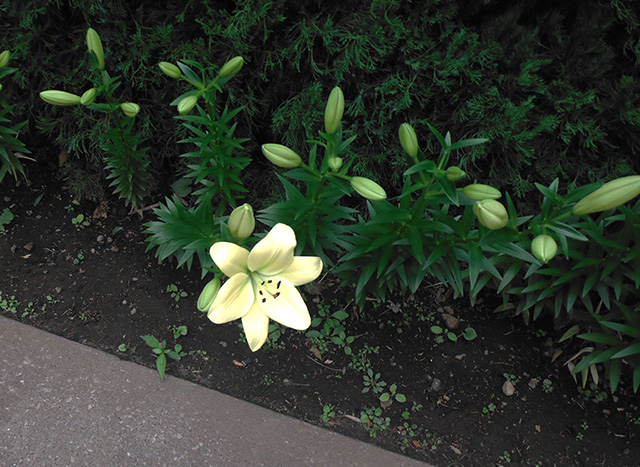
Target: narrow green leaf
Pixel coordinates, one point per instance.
(630, 350)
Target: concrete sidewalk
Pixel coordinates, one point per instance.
(62, 403)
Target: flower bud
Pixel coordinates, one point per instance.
(187, 103)
(60, 97)
(491, 213)
(335, 163)
(281, 155)
(169, 69)
(544, 248)
(130, 109)
(455, 173)
(368, 188)
(95, 45)
(242, 222)
(480, 192)
(88, 96)
(4, 58)
(232, 67)
(208, 295)
(333, 111)
(609, 195)
(408, 139)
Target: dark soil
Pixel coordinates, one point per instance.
(96, 284)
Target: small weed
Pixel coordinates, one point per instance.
(506, 456)
(329, 327)
(9, 304)
(175, 292)
(122, 348)
(79, 221)
(161, 350)
(266, 380)
(372, 382)
(328, 413)
(388, 397)
(179, 331)
(79, 258)
(5, 219)
(547, 386)
(489, 409)
(375, 422)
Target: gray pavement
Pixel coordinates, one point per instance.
(63, 403)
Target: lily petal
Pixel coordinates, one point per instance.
(287, 307)
(303, 269)
(274, 253)
(256, 327)
(229, 257)
(234, 300)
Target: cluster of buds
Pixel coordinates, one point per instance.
(490, 213)
(63, 98)
(187, 103)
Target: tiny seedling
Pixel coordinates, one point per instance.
(5, 219)
(176, 293)
(328, 413)
(372, 382)
(179, 331)
(386, 397)
(161, 350)
(122, 348)
(80, 221)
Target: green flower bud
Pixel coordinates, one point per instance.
(480, 192)
(544, 248)
(368, 188)
(169, 69)
(208, 295)
(95, 45)
(60, 97)
(455, 173)
(281, 155)
(335, 163)
(130, 109)
(491, 213)
(242, 222)
(333, 111)
(609, 195)
(408, 139)
(4, 58)
(232, 67)
(88, 96)
(187, 103)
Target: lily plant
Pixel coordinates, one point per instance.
(261, 284)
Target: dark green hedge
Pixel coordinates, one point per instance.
(555, 87)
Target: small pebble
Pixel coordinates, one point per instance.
(124, 302)
(606, 411)
(508, 389)
(436, 384)
(133, 311)
(533, 383)
(100, 239)
(461, 356)
(58, 290)
(223, 344)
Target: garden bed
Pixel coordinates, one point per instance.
(89, 278)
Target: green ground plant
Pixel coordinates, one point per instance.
(162, 351)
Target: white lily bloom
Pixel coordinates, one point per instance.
(262, 284)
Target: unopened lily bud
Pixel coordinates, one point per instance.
(60, 97)
(544, 248)
(408, 139)
(94, 44)
(187, 103)
(281, 155)
(455, 173)
(169, 69)
(368, 188)
(242, 222)
(232, 67)
(4, 58)
(208, 295)
(491, 213)
(480, 192)
(130, 109)
(335, 163)
(609, 195)
(333, 111)
(88, 96)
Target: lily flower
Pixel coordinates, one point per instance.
(262, 284)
